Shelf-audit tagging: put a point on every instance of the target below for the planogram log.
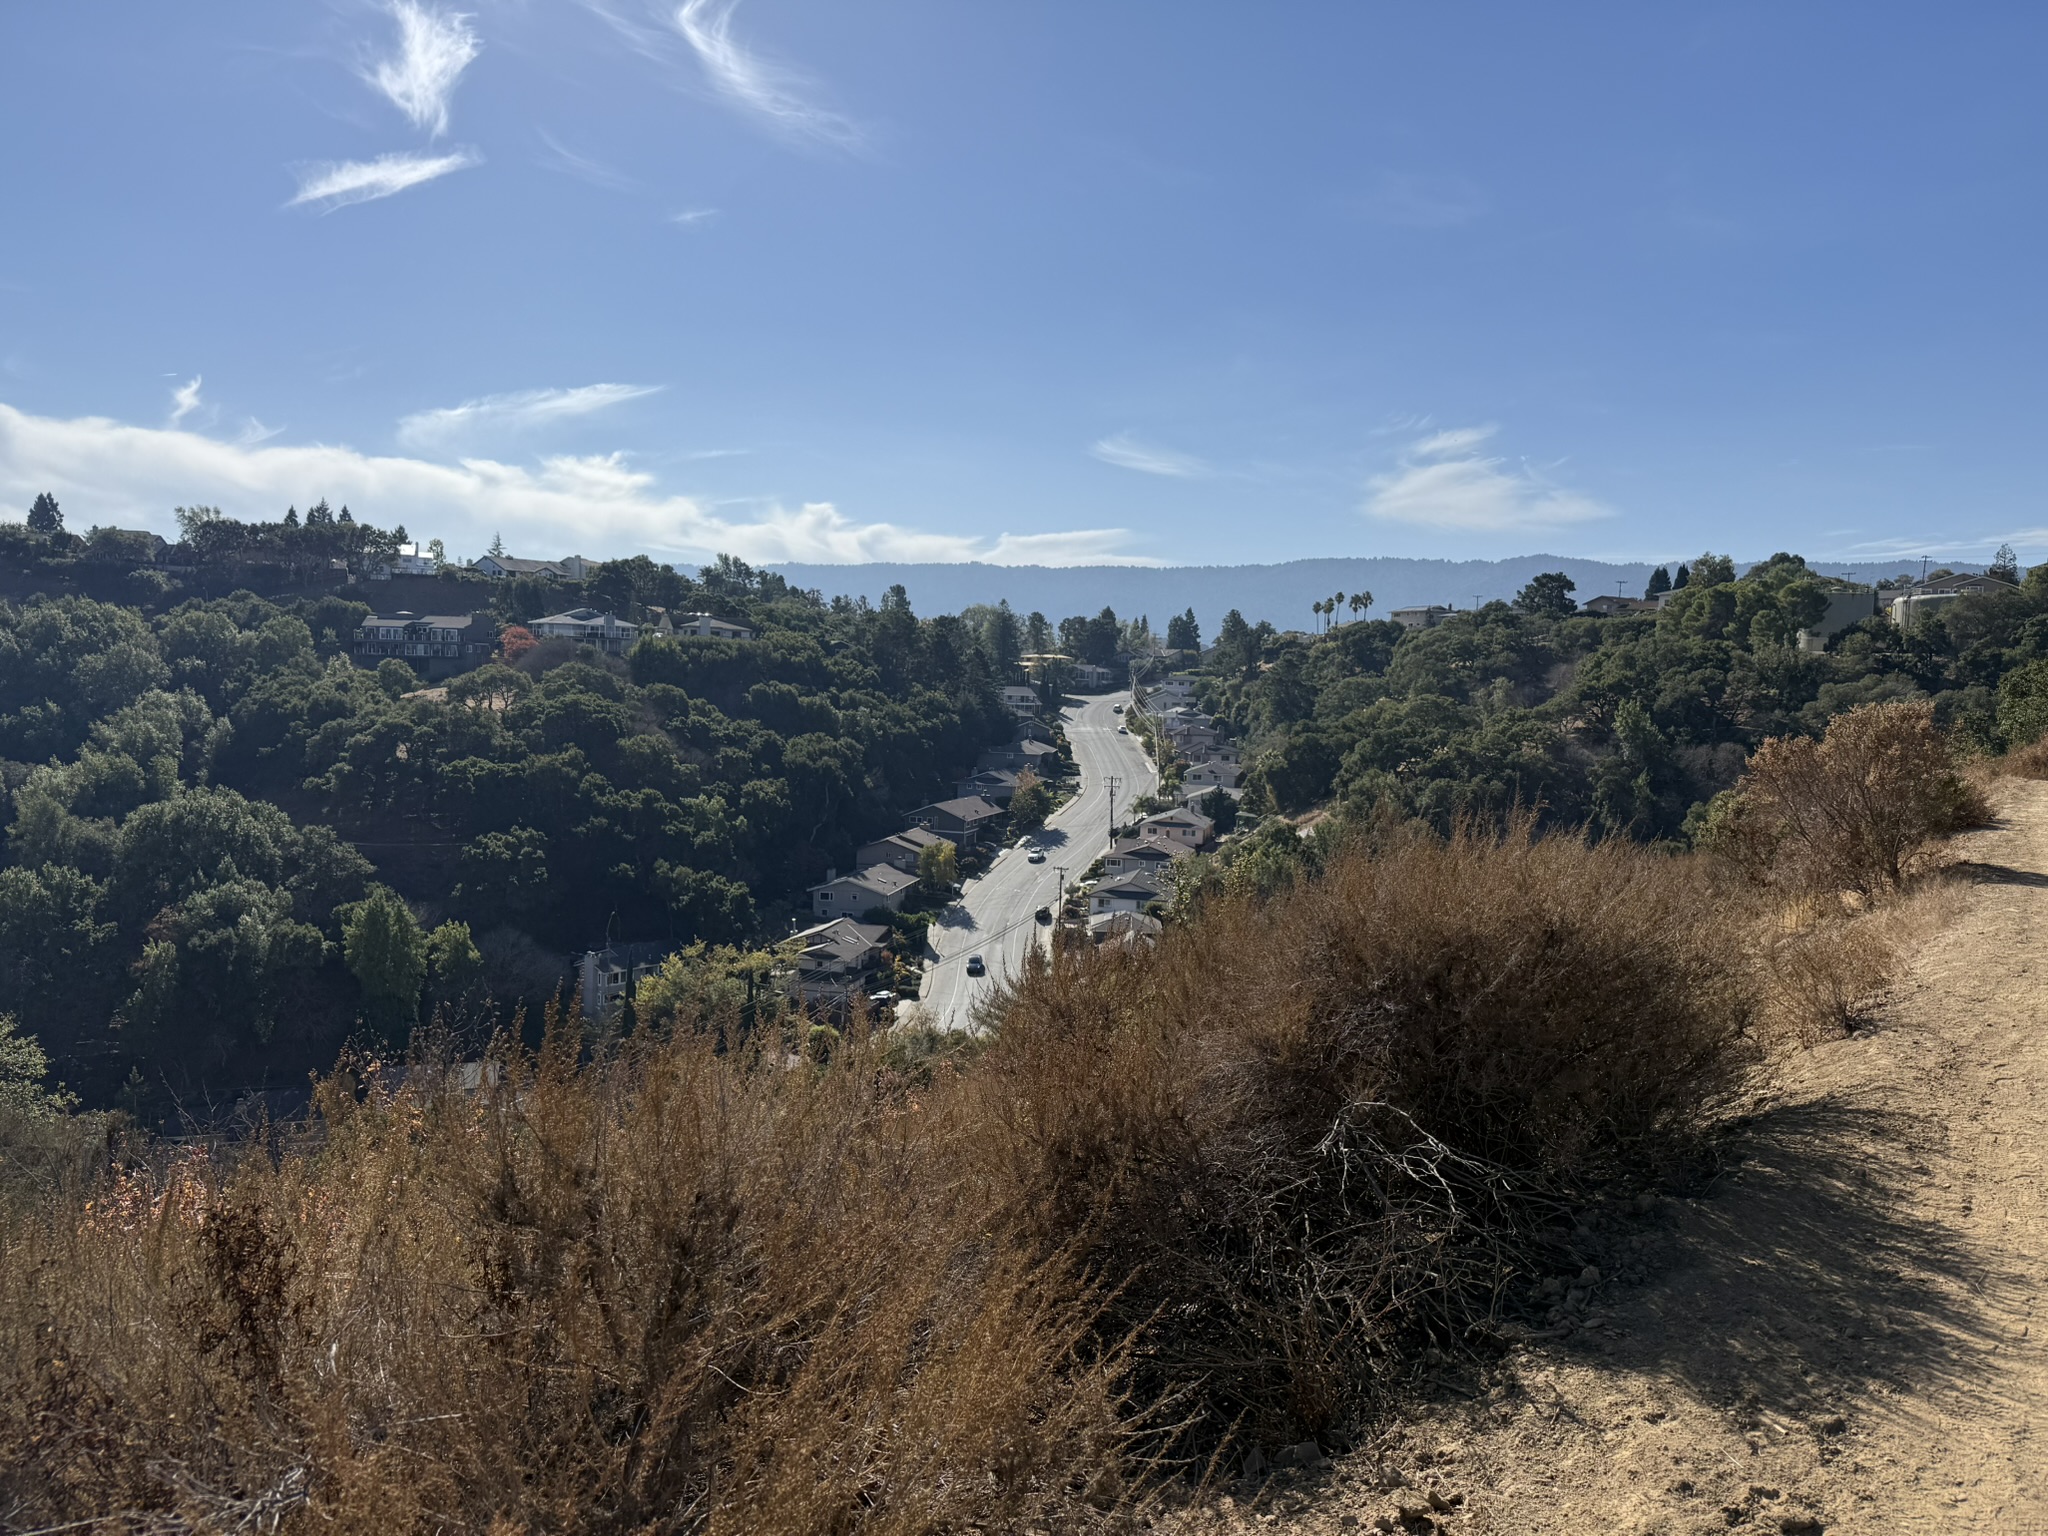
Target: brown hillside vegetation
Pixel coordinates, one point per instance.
(1189, 1206)
(1843, 1332)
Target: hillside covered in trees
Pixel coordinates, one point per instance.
(1626, 725)
(227, 845)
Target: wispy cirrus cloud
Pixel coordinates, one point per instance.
(701, 32)
(1126, 452)
(773, 91)
(337, 184)
(434, 48)
(561, 158)
(1445, 481)
(691, 218)
(520, 410)
(185, 399)
(598, 504)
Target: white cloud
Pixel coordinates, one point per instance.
(516, 411)
(1444, 482)
(185, 399)
(1453, 440)
(561, 158)
(336, 185)
(112, 472)
(1126, 452)
(689, 218)
(434, 48)
(772, 91)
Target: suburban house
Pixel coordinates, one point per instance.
(1124, 893)
(1019, 700)
(996, 784)
(1614, 607)
(706, 626)
(1923, 600)
(837, 960)
(1130, 929)
(1210, 775)
(433, 644)
(1844, 610)
(963, 822)
(608, 976)
(1174, 691)
(504, 567)
(900, 850)
(1089, 678)
(1193, 795)
(1143, 855)
(1189, 828)
(408, 561)
(586, 626)
(1038, 756)
(1426, 617)
(879, 885)
(1227, 753)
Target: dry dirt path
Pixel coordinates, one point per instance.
(1846, 1333)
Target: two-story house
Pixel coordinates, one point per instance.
(1143, 856)
(1189, 828)
(964, 822)
(432, 644)
(899, 850)
(837, 962)
(1019, 700)
(879, 885)
(586, 626)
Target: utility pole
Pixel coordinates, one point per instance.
(1112, 784)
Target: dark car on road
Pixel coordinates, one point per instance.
(1043, 914)
(975, 967)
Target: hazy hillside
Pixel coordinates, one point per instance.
(1279, 593)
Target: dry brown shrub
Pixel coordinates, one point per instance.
(668, 1292)
(2027, 762)
(1307, 1135)
(1852, 811)
(1232, 1184)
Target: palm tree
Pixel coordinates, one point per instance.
(1317, 609)
(1360, 601)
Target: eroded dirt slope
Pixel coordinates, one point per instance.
(1845, 1333)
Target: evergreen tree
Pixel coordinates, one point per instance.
(497, 549)
(1660, 582)
(1183, 633)
(2005, 565)
(291, 517)
(387, 954)
(45, 516)
(1684, 575)
(1549, 593)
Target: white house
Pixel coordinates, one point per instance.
(408, 561)
(1019, 700)
(1143, 856)
(1210, 775)
(879, 885)
(1189, 828)
(706, 626)
(587, 626)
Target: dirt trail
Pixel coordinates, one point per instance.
(1847, 1333)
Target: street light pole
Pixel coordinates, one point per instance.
(1112, 783)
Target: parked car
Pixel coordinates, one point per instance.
(1037, 856)
(1043, 914)
(1123, 730)
(975, 966)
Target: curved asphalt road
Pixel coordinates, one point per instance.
(994, 919)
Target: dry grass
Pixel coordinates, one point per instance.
(2027, 762)
(1219, 1193)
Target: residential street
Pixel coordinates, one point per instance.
(995, 918)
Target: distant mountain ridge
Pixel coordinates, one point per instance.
(1280, 594)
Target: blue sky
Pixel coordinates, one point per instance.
(1058, 282)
